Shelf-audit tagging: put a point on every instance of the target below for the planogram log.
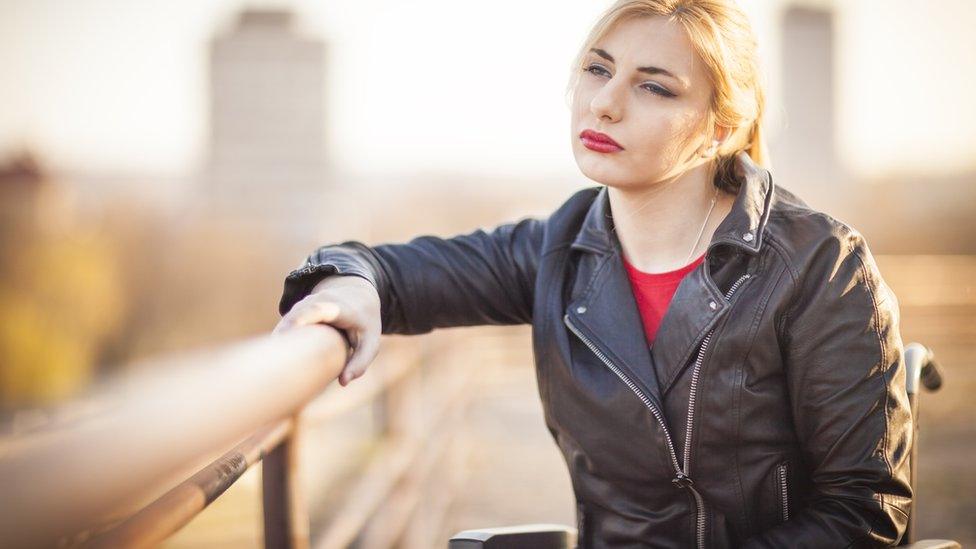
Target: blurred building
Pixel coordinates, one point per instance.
(267, 157)
(832, 108)
(806, 147)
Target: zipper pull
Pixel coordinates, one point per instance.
(681, 480)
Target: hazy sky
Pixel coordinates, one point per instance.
(120, 86)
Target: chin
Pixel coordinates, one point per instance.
(605, 173)
(617, 180)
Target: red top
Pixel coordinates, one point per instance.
(653, 292)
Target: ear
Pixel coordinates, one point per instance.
(722, 132)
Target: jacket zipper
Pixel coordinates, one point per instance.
(692, 394)
(633, 387)
(682, 478)
(784, 499)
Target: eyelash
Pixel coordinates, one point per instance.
(653, 88)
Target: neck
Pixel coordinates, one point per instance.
(657, 223)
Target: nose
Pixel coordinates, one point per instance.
(606, 104)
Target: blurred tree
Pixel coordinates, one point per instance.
(58, 291)
(83, 295)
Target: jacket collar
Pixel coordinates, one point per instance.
(748, 216)
(606, 313)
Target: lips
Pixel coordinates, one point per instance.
(599, 142)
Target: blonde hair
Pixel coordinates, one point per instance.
(723, 39)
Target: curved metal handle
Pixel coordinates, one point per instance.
(920, 365)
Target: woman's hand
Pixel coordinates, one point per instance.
(349, 303)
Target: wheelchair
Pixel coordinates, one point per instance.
(920, 367)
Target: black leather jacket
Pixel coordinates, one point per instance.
(769, 412)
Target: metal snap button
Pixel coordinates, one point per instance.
(747, 237)
(713, 305)
(581, 309)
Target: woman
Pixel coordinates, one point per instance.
(719, 364)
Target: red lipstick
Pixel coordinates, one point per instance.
(599, 142)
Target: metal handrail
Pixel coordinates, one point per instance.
(177, 507)
(175, 411)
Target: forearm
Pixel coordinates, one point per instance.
(835, 522)
(483, 277)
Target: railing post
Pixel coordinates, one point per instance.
(285, 515)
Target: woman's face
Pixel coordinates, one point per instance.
(644, 86)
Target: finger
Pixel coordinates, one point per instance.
(353, 337)
(279, 327)
(329, 311)
(345, 377)
(287, 322)
(362, 357)
(315, 313)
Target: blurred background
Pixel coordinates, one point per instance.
(164, 165)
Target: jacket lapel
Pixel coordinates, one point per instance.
(698, 303)
(606, 313)
(610, 317)
(687, 321)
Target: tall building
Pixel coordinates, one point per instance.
(267, 158)
(806, 149)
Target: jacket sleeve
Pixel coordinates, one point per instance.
(845, 372)
(483, 277)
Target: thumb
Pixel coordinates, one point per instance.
(363, 355)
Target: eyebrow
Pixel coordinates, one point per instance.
(648, 70)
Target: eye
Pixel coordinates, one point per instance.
(654, 88)
(595, 69)
(599, 70)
